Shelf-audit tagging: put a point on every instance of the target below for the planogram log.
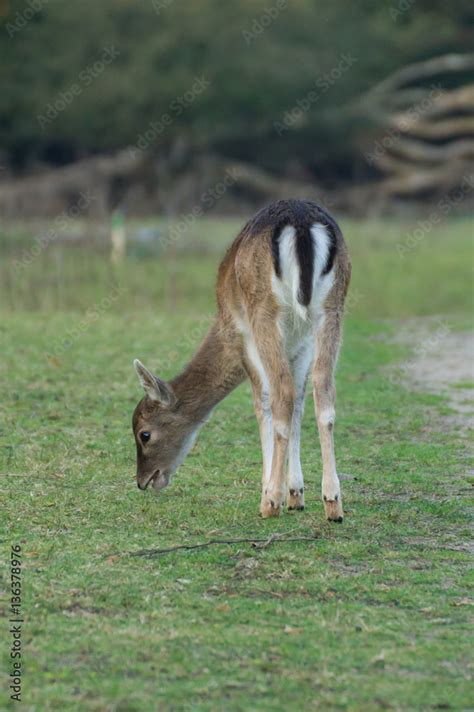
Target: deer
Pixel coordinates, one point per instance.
(280, 293)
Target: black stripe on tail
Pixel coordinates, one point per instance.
(304, 253)
(301, 215)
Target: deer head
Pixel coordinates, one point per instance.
(163, 433)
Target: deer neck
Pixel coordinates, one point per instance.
(214, 371)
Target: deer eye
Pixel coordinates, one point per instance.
(145, 436)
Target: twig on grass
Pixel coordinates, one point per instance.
(257, 543)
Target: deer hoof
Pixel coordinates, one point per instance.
(270, 507)
(333, 509)
(295, 499)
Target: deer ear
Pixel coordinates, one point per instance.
(154, 387)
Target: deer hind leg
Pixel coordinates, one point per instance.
(327, 339)
(266, 354)
(300, 367)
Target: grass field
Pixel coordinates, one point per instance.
(370, 615)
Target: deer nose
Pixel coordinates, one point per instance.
(141, 485)
(144, 484)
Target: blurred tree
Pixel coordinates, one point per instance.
(261, 80)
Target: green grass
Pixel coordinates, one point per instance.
(369, 615)
(68, 277)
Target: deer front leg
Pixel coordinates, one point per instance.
(300, 367)
(264, 419)
(282, 403)
(324, 398)
(270, 374)
(295, 485)
(275, 423)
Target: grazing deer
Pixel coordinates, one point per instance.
(280, 297)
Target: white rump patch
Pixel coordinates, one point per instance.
(287, 287)
(321, 247)
(321, 283)
(298, 323)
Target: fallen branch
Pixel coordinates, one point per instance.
(257, 543)
(419, 151)
(445, 129)
(439, 179)
(419, 71)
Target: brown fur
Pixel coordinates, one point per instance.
(244, 292)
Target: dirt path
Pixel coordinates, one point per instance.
(442, 362)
